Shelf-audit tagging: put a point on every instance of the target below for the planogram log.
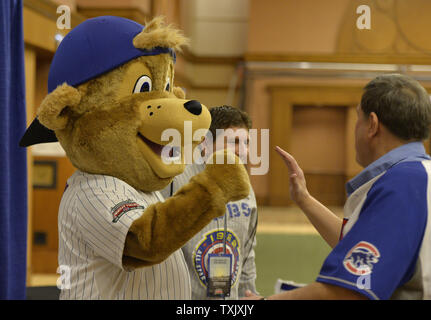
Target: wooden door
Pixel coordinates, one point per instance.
(327, 182)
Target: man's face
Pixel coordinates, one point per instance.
(361, 138)
(234, 139)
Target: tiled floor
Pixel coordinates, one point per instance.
(271, 220)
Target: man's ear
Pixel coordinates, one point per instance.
(373, 125)
(179, 93)
(52, 113)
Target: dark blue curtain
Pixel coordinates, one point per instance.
(13, 165)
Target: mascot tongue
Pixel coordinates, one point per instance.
(157, 148)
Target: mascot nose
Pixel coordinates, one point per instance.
(193, 106)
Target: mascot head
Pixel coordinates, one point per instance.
(111, 96)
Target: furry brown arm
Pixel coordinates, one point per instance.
(165, 227)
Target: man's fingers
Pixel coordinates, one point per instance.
(283, 153)
(251, 296)
(288, 159)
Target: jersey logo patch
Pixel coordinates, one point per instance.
(361, 258)
(123, 207)
(212, 243)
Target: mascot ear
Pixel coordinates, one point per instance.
(179, 93)
(53, 112)
(157, 34)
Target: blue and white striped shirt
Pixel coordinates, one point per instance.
(96, 212)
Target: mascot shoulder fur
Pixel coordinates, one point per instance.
(111, 96)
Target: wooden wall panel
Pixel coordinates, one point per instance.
(46, 202)
(30, 81)
(318, 138)
(352, 167)
(328, 184)
(326, 31)
(281, 127)
(318, 144)
(39, 28)
(40, 24)
(327, 188)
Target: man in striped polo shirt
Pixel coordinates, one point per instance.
(382, 247)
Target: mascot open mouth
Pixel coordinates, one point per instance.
(166, 152)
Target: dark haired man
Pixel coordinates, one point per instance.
(382, 247)
(231, 237)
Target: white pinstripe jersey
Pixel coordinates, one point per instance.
(241, 226)
(95, 214)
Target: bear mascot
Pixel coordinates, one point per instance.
(110, 98)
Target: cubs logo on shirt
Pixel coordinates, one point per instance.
(361, 258)
(212, 243)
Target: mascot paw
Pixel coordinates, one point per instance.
(226, 170)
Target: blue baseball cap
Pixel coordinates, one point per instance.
(92, 48)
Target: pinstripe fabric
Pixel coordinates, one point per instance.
(91, 244)
(241, 223)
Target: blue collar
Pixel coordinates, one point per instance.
(413, 151)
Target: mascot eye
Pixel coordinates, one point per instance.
(143, 84)
(167, 84)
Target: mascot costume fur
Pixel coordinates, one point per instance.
(111, 96)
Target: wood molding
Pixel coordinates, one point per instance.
(327, 188)
(193, 58)
(48, 9)
(131, 13)
(342, 94)
(30, 80)
(40, 27)
(281, 129)
(45, 261)
(183, 81)
(352, 167)
(211, 87)
(45, 214)
(283, 98)
(419, 59)
(262, 200)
